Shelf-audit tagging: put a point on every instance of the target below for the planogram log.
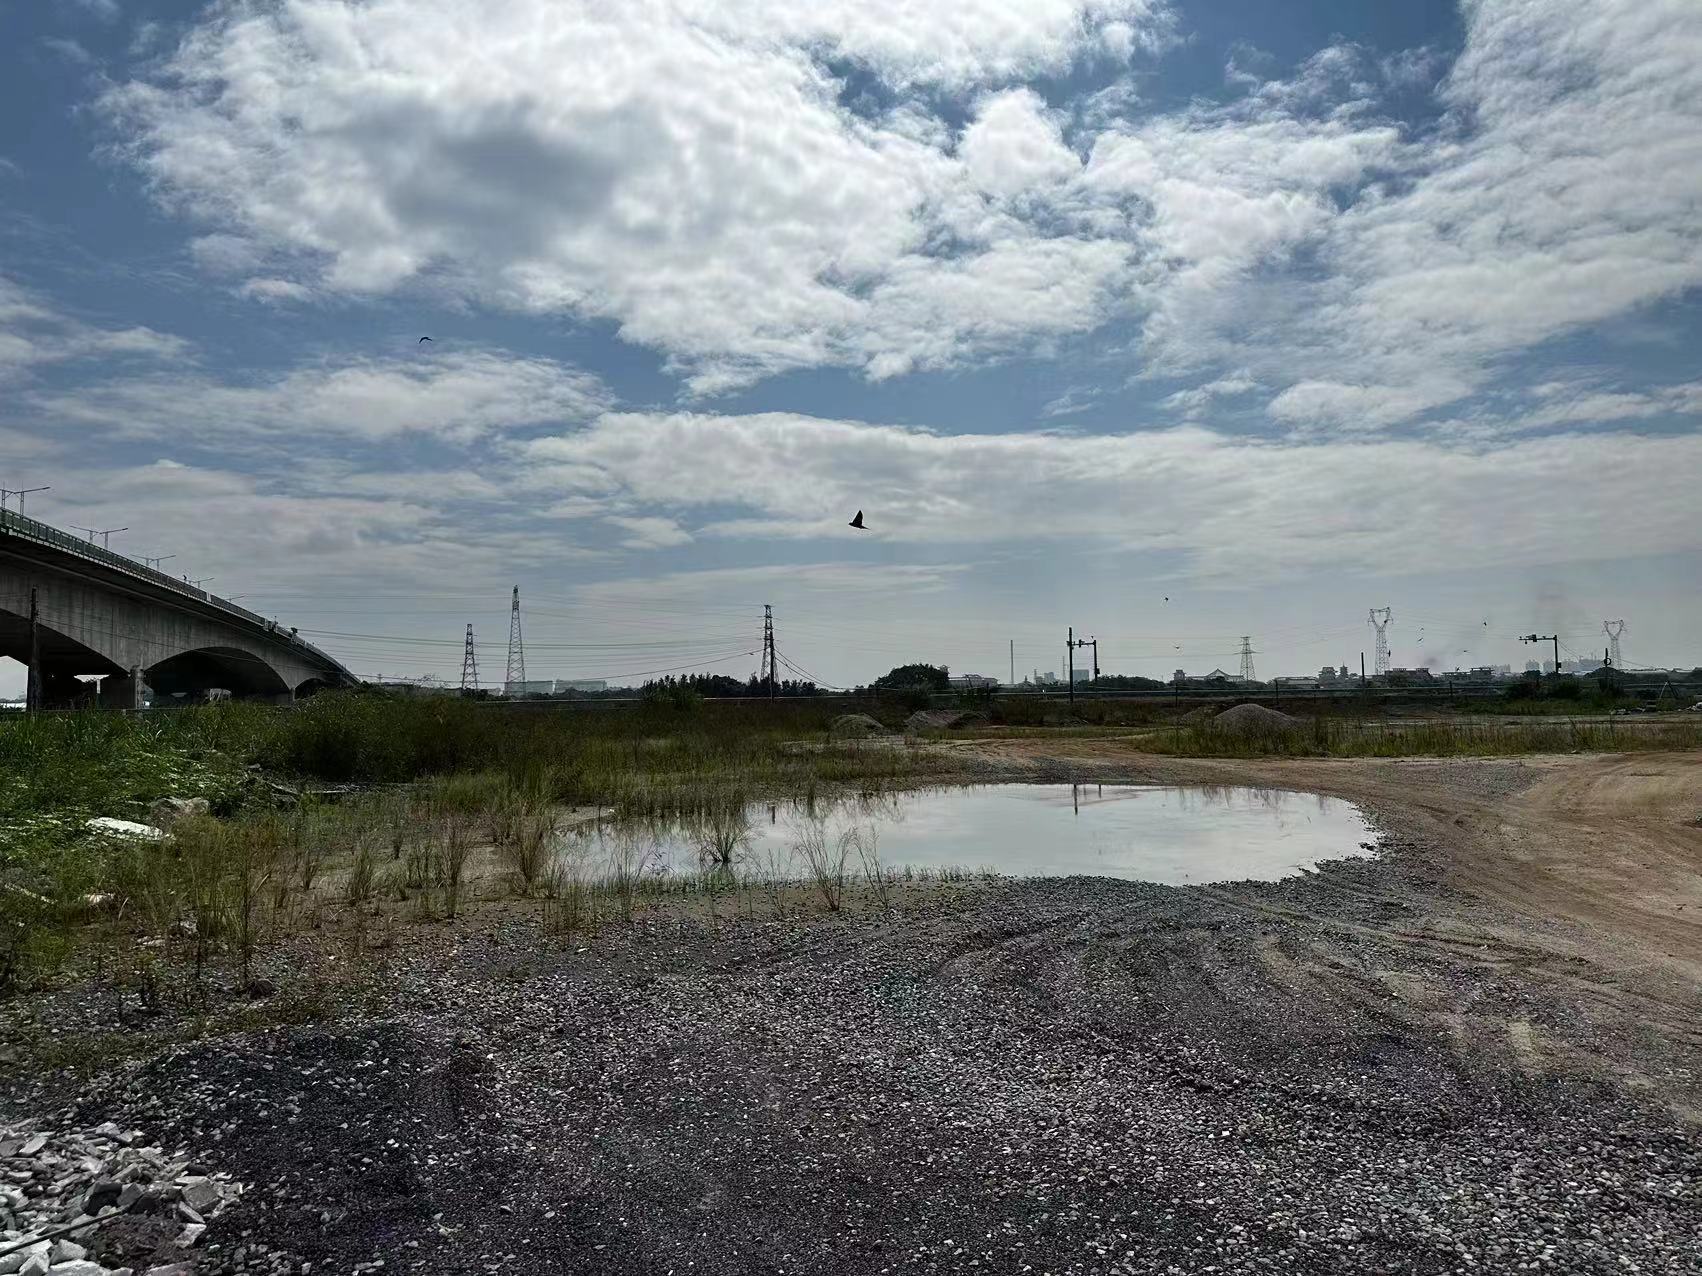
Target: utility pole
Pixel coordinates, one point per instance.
(1070, 670)
(1013, 662)
(32, 687)
(155, 562)
(1553, 638)
(199, 582)
(1246, 658)
(768, 646)
(1362, 671)
(20, 493)
(516, 673)
(469, 665)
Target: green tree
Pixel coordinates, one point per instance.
(915, 678)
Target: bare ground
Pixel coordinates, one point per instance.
(1479, 1052)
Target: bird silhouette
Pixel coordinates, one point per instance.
(422, 341)
(1167, 598)
(858, 522)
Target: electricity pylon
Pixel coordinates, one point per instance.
(469, 665)
(516, 649)
(1380, 618)
(1613, 629)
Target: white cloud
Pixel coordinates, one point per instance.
(33, 332)
(1562, 192)
(646, 532)
(1227, 507)
(456, 395)
(688, 170)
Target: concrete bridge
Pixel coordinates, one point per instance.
(70, 607)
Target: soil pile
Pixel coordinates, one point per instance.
(1253, 719)
(941, 720)
(854, 726)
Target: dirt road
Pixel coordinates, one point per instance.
(1476, 1052)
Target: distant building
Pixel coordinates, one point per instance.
(971, 681)
(1531, 666)
(1297, 682)
(580, 684)
(1082, 675)
(531, 687)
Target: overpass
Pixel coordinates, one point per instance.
(70, 607)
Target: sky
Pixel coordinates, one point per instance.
(1171, 322)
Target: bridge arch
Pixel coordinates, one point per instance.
(188, 675)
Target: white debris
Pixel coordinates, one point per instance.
(127, 829)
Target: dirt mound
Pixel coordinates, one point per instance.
(854, 726)
(1205, 713)
(941, 720)
(1253, 719)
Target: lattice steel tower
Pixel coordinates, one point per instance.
(1380, 618)
(516, 649)
(768, 674)
(1613, 628)
(469, 664)
(1246, 659)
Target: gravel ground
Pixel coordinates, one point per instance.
(1053, 1077)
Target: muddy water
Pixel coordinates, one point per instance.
(1175, 835)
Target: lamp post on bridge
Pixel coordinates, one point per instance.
(105, 535)
(155, 562)
(19, 492)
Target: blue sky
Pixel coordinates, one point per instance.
(1277, 311)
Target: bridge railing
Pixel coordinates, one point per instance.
(16, 524)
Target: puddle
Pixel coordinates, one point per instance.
(1173, 835)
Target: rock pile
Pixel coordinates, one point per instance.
(119, 1195)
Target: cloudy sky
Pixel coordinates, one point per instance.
(1170, 321)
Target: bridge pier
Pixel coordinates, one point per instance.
(123, 690)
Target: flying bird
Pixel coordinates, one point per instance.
(1167, 598)
(422, 341)
(858, 522)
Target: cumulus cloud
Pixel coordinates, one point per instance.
(1562, 191)
(457, 396)
(694, 172)
(1227, 507)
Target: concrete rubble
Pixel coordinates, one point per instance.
(133, 1197)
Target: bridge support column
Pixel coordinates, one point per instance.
(123, 690)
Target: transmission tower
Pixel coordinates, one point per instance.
(1613, 629)
(769, 674)
(1246, 659)
(469, 665)
(516, 649)
(1380, 618)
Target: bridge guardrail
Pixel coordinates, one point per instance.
(45, 533)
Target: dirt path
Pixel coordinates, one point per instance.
(1582, 873)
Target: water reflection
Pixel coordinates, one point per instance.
(1171, 834)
